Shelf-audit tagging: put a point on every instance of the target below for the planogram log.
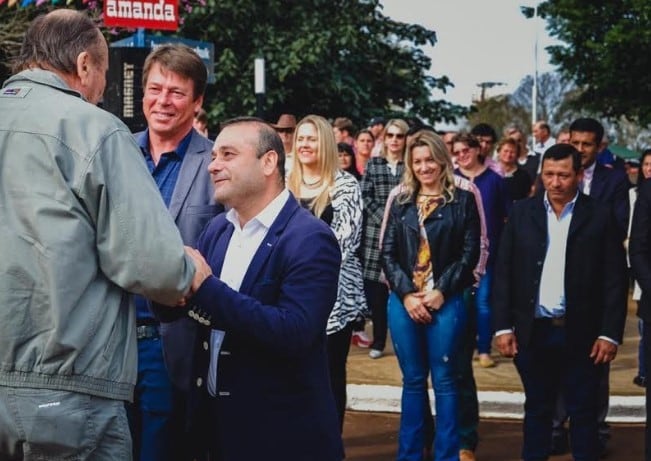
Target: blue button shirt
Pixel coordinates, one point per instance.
(165, 174)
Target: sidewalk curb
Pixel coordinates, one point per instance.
(492, 404)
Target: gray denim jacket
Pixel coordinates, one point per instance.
(81, 224)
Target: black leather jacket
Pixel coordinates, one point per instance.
(453, 233)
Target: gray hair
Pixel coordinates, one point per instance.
(55, 40)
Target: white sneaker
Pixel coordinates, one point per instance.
(375, 354)
(360, 339)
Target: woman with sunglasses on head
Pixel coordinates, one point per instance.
(382, 174)
(430, 247)
(334, 196)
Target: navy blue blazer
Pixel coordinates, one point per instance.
(274, 400)
(610, 185)
(596, 281)
(639, 246)
(191, 207)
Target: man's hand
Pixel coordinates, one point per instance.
(507, 344)
(603, 351)
(433, 299)
(416, 309)
(202, 269)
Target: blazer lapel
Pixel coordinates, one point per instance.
(539, 215)
(268, 244)
(219, 252)
(598, 181)
(580, 215)
(190, 168)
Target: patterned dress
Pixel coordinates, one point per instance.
(377, 183)
(346, 201)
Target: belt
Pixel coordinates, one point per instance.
(147, 332)
(553, 321)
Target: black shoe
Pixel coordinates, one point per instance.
(560, 444)
(639, 381)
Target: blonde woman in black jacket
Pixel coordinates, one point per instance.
(430, 248)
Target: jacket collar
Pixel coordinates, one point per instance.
(580, 214)
(43, 77)
(266, 246)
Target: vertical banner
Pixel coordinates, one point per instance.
(146, 14)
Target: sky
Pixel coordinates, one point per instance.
(478, 41)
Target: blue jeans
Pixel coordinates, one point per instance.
(482, 302)
(150, 414)
(423, 349)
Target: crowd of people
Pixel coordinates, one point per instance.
(255, 261)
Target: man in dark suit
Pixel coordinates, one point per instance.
(174, 80)
(262, 303)
(609, 186)
(560, 311)
(640, 257)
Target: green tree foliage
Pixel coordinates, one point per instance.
(329, 57)
(500, 112)
(607, 52)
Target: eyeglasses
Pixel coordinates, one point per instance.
(464, 151)
(395, 135)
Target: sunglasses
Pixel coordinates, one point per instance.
(395, 135)
(285, 130)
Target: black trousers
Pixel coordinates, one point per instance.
(338, 347)
(646, 344)
(377, 297)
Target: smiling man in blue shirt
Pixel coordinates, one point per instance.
(174, 81)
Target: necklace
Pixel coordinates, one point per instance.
(429, 195)
(311, 184)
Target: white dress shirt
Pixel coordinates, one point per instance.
(243, 245)
(551, 297)
(586, 182)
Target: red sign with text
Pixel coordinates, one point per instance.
(146, 14)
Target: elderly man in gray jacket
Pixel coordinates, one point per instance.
(82, 224)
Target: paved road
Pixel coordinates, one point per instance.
(373, 437)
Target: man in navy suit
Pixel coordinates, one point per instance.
(262, 303)
(174, 80)
(640, 254)
(609, 186)
(560, 311)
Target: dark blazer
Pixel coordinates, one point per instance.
(639, 248)
(191, 207)
(596, 284)
(453, 234)
(611, 185)
(274, 400)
